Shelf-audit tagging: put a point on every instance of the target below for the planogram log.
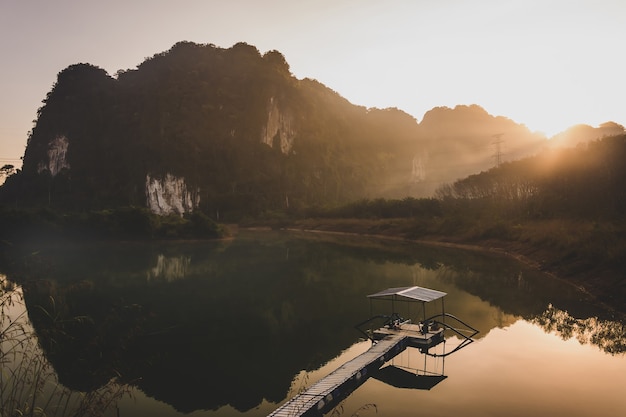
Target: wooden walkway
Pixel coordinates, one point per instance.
(322, 396)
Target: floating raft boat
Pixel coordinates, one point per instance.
(388, 341)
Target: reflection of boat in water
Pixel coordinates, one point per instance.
(404, 378)
(394, 336)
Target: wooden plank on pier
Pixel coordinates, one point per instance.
(416, 338)
(327, 392)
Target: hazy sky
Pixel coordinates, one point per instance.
(546, 63)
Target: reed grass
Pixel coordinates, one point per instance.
(28, 383)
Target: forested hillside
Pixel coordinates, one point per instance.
(229, 130)
(586, 181)
(232, 133)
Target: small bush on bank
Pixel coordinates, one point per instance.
(200, 225)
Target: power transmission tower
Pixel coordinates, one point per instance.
(497, 156)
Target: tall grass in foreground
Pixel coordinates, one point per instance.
(28, 384)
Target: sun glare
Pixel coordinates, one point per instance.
(548, 129)
(553, 123)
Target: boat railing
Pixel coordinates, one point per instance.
(446, 321)
(466, 334)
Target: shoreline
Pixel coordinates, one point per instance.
(446, 244)
(513, 250)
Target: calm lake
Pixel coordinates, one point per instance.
(236, 328)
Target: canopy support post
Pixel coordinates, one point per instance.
(443, 311)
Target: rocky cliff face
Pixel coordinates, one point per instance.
(57, 156)
(279, 130)
(170, 195)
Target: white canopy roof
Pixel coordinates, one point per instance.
(412, 293)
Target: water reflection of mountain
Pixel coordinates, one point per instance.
(235, 331)
(232, 324)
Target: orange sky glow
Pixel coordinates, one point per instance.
(548, 65)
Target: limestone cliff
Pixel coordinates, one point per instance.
(279, 130)
(57, 156)
(170, 195)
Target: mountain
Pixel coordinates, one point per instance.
(232, 132)
(228, 131)
(466, 140)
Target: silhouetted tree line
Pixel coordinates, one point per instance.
(381, 208)
(586, 181)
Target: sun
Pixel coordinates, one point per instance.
(550, 122)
